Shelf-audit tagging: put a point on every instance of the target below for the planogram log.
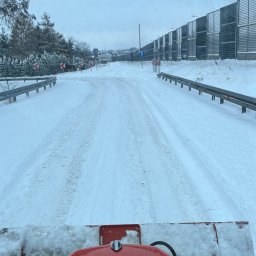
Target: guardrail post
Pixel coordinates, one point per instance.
(14, 99)
(221, 101)
(243, 109)
(199, 92)
(37, 90)
(175, 82)
(213, 97)
(181, 85)
(44, 87)
(50, 85)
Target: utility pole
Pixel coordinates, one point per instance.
(140, 54)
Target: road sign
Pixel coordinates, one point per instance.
(62, 66)
(36, 66)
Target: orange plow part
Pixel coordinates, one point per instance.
(186, 239)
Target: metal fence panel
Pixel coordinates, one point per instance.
(155, 49)
(192, 40)
(242, 40)
(201, 38)
(252, 38)
(166, 47)
(163, 47)
(228, 34)
(252, 11)
(170, 45)
(179, 40)
(246, 29)
(213, 30)
(184, 42)
(243, 12)
(160, 50)
(174, 45)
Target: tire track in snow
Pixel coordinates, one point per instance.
(52, 173)
(197, 157)
(76, 166)
(141, 170)
(89, 205)
(117, 167)
(183, 194)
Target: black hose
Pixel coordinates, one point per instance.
(166, 245)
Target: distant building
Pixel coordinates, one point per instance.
(105, 57)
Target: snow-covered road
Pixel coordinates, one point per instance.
(117, 145)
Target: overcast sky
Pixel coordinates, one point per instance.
(113, 24)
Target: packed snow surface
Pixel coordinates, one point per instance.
(118, 145)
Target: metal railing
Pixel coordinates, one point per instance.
(236, 98)
(37, 78)
(11, 95)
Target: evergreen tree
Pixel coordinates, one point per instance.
(47, 34)
(10, 9)
(4, 43)
(22, 41)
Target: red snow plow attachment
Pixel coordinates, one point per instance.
(184, 239)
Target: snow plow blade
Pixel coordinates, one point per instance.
(187, 239)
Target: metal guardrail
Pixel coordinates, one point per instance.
(236, 98)
(11, 95)
(37, 78)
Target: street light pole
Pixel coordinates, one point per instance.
(140, 54)
(139, 38)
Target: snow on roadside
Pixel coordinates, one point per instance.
(233, 75)
(25, 123)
